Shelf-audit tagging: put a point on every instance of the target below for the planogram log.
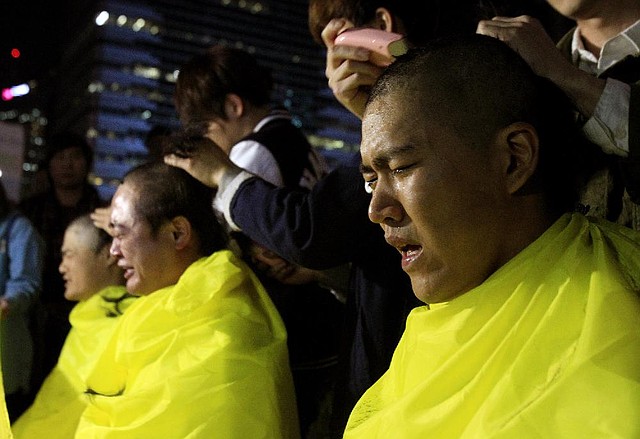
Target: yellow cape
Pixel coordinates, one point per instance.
(547, 347)
(5, 429)
(204, 358)
(60, 401)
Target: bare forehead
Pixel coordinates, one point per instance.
(387, 123)
(77, 236)
(123, 203)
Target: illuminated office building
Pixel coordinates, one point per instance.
(116, 77)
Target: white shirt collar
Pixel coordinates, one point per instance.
(625, 43)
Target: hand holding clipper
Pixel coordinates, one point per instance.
(384, 46)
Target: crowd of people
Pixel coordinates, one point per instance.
(474, 273)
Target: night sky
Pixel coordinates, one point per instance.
(37, 28)
(30, 26)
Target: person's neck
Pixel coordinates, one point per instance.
(596, 31)
(253, 118)
(69, 197)
(526, 224)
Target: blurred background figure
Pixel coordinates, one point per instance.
(93, 280)
(21, 256)
(68, 162)
(224, 95)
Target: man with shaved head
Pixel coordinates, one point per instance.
(530, 327)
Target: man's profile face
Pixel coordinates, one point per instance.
(81, 266)
(145, 258)
(435, 198)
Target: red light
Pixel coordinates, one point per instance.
(15, 53)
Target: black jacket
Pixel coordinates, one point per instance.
(327, 227)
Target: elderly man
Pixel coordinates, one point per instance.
(203, 352)
(95, 282)
(531, 327)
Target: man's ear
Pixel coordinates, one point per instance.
(385, 20)
(233, 106)
(523, 151)
(181, 231)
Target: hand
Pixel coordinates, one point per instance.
(528, 38)
(279, 269)
(206, 162)
(348, 69)
(101, 218)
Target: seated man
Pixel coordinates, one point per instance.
(532, 316)
(93, 279)
(203, 352)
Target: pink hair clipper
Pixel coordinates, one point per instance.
(384, 46)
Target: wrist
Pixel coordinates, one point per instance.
(583, 89)
(226, 175)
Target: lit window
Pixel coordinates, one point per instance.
(139, 24)
(102, 18)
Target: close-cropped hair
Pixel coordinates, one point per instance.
(207, 78)
(423, 20)
(100, 238)
(476, 85)
(165, 192)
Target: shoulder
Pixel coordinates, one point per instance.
(17, 221)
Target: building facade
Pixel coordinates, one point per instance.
(120, 58)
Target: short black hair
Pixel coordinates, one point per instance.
(476, 85)
(207, 78)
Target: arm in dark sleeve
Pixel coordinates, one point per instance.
(318, 229)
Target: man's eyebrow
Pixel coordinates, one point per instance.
(383, 160)
(364, 169)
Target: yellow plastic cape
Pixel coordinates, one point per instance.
(547, 347)
(5, 429)
(60, 401)
(205, 358)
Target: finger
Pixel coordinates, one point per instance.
(356, 53)
(339, 55)
(354, 75)
(518, 19)
(174, 160)
(333, 29)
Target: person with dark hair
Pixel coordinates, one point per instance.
(68, 162)
(93, 280)
(597, 67)
(21, 256)
(224, 94)
(202, 353)
(532, 312)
